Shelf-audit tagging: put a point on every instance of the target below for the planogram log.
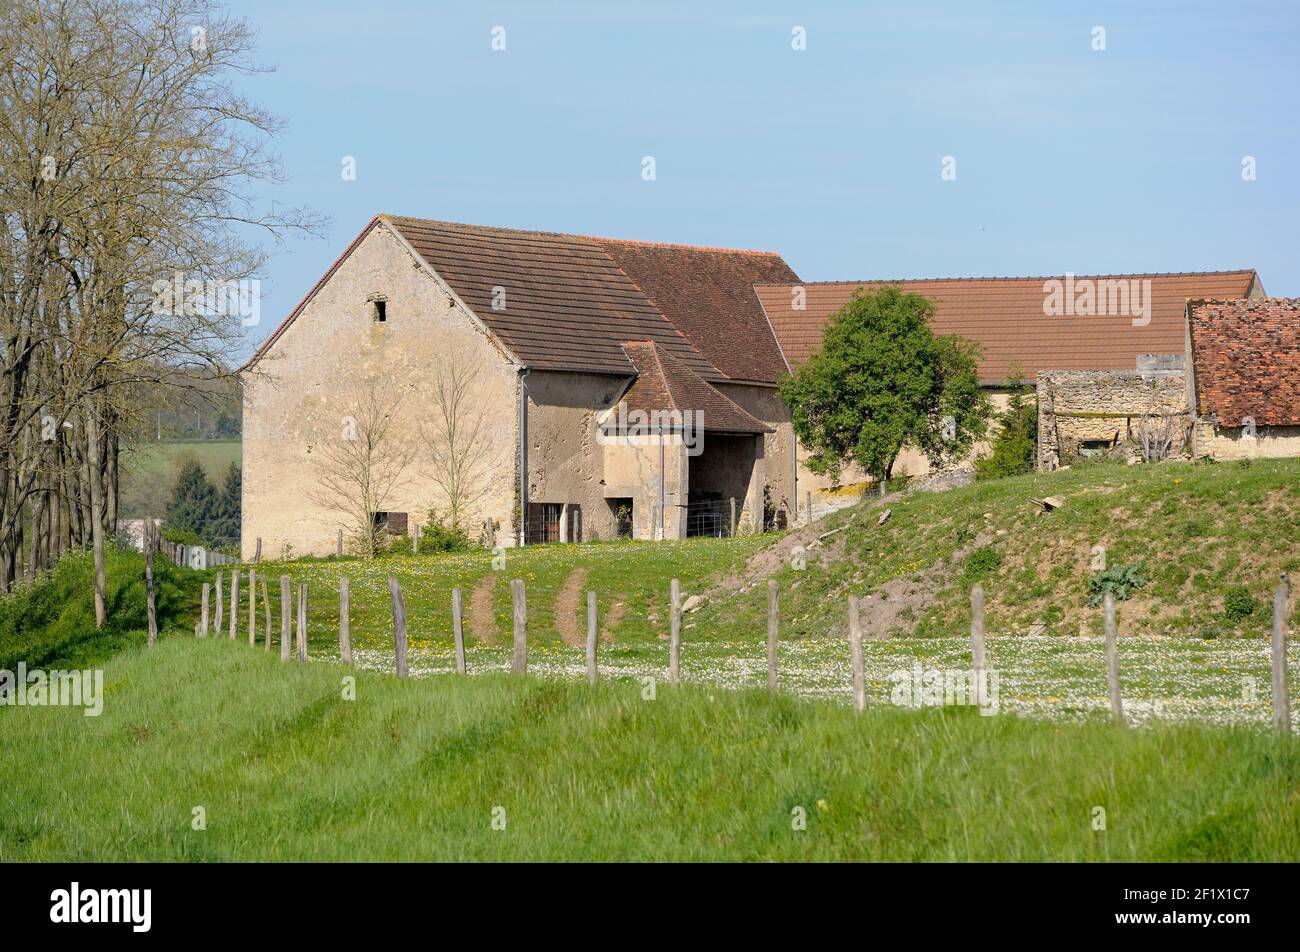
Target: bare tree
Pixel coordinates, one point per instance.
(462, 445)
(363, 460)
(126, 160)
(1157, 435)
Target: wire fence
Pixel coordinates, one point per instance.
(710, 517)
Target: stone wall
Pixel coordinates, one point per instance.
(318, 378)
(1236, 442)
(1080, 407)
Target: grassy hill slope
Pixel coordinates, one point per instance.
(285, 768)
(1205, 535)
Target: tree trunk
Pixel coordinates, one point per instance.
(111, 498)
(96, 512)
(20, 539)
(6, 567)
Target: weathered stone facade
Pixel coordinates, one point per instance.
(304, 389)
(1102, 412)
(1244, 442)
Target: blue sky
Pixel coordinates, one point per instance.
(1067, 158)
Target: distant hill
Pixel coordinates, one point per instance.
(148, 471)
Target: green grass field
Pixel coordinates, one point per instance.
(148, 469)
(283, 767)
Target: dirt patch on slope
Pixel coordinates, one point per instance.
(885, 608)
(820, 541)
(567, 601)
(482, 612)
(612, 617)
(894, 604)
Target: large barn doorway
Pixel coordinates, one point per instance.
(719, 480)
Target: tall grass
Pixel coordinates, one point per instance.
(285, 768)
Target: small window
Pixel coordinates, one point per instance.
(1094, 448)
(378, 308)
(394, 523)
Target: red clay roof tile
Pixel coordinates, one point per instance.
(665, 383)
(1246, 359)
(708, 294)
(571, 300)
(1007, 317)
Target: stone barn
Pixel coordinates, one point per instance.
(1097, 413)
(604, 387)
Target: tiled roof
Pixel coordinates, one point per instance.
(567, 304)
(665, 383)
(1246, 357)
(571, 300)
(1007, 316)
(708, 294)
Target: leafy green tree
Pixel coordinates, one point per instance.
(1015, 448)
(194, 499)
(884, 380)
(224, 526)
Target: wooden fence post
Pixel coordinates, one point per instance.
(203, 618)
(733, 516)
(150, 607)
(399, 625)
(1281, 698)
(415, 539)
(773, 631)
(855, 654)
(216, 625)
(338, 545)
(257, 553)
(675, 633)
(252, 608)
(977, 629)
(458, 627)
(807, 505)
(1112, 657)
(286, 609)
(234, 603)
(266, 613)
(302, 622)
(519, 664)
(345, 620)
(592, 671)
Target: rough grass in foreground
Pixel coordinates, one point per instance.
(287, 770)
